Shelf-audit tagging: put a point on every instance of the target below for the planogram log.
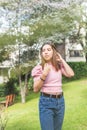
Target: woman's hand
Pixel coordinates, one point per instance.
(46, 69)
(39, 83)
(67, 70)
(59, 57)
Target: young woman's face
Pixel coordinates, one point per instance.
(47, 53)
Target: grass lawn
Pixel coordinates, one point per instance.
(25, 116)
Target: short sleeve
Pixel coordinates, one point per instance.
(36, 72)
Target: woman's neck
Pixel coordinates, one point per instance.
(49, 62)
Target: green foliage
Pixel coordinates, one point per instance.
(80, 70)
(6, 39)
(11, 87)
(2, 90)
(20, 69)
(3, 118)
(59, 21)
(4, 72)
(30, 84)
(4, 55)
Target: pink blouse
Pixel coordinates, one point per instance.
(53, 81)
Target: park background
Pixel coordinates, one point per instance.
(24, 26)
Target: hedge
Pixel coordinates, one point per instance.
(2, 89)
(80, 70)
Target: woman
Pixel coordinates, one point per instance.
(48, 80)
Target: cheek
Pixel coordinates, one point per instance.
(42, 54)
(51, 54)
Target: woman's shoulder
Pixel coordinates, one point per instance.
(37, 69)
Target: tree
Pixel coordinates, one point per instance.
(42, 19)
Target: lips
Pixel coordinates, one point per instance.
(46, 56)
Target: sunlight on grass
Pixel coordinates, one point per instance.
(23, 116)
(26, 117)
(75, 97)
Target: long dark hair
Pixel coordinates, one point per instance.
(55, 54)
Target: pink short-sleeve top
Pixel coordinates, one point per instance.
(53, 81)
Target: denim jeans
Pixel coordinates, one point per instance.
(51, 112)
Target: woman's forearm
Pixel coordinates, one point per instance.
(67, 68)
(39, 83)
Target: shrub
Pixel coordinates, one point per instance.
(11, 87)
(2, 90)
(30, 84)
(80, 70)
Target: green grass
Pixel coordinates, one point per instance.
(26, 117)
(76, 105)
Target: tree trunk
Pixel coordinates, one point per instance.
(23, 94)
(22, 90)
(26, 84)
(86, 57)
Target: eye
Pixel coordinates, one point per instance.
(49, 49)
(43, 50)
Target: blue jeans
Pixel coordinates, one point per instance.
(51, 111)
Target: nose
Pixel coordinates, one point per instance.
(46, 51)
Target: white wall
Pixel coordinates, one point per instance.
(74, 46)
(1, 80)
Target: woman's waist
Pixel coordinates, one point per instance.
(53, 95)
(52, 84)
(52, 90)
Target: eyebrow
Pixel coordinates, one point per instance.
(47, 48)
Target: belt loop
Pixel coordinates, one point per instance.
(50, 95)
(56, 95)
(41, 93)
